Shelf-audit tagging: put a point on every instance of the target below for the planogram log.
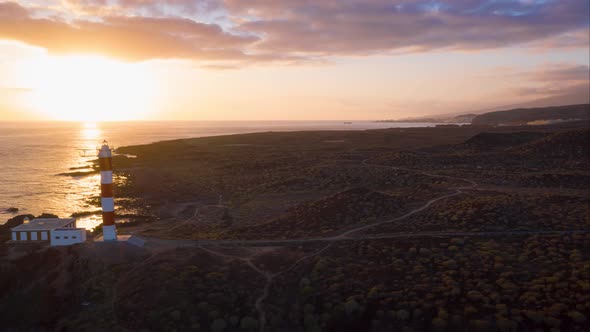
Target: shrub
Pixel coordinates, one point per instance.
(351, 307)
(535, 316)
(577, 316)
(505, 324)
(218, 325)
(249, 323)
(402, 315)
(439, 324)
(479, 325)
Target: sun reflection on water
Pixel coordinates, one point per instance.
(86, 187)
(90, 131)
(74, 187)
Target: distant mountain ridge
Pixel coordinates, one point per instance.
(523, 116)
(448, 118)
(578, 96)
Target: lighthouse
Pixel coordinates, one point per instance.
(107, 202)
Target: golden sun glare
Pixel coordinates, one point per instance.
(90, 88)
(90, 131)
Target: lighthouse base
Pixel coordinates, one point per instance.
(109, 233)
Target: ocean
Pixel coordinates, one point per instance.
(34, 154)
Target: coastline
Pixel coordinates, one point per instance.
(66, 149)
(333, 139)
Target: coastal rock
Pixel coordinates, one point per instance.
(13, 222)
(79, 173)
(18, 220)
(46, 215)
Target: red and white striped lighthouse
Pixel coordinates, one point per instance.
(105, 158)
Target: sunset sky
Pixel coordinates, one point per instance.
(100, 60)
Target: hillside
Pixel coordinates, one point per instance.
(324, 216)
(570, 145)
(523, 116)
(491, 140)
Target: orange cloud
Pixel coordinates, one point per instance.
(132, 38)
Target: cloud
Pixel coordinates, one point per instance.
(291, 31)
(377, 26)
(556, 80)
(132, 38)
(579, 38)
(562, 73)
(143, 7)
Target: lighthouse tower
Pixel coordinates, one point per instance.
(105, 158)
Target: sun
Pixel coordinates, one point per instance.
(90, 88)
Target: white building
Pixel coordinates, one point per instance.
(55, 231)
(67, 236)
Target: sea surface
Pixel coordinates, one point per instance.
(34, 154)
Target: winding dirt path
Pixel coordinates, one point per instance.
(269, 277)
(343, 236)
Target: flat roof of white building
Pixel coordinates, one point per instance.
(44, 224)
(70, 229)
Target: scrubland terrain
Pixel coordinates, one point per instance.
(419, 229)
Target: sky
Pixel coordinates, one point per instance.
(116, 60)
